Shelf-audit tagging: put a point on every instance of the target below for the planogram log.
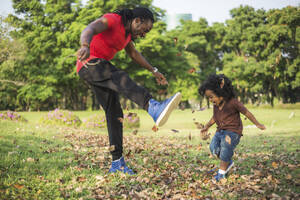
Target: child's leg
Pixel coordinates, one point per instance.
(215, 145)
(229, 142)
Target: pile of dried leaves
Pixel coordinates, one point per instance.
(167, 168)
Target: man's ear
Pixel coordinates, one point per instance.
(222, 83)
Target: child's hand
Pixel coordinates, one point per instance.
(261, 126)
(204, 129)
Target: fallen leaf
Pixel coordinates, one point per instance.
(81, 179)
(154, 128)
(275, 165)
(111, 148)
(288, 177)
(30, 159)
(18, 186)
(145, 160)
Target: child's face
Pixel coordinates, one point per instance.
(213, 98)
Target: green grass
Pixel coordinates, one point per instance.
(39, 162)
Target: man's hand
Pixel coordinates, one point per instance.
(160, 78)
(83, 53)
(261, 126)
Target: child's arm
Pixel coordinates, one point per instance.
(251, 117)
(209, 124)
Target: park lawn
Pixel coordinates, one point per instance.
(47, 162)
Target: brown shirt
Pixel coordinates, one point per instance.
(228, 118)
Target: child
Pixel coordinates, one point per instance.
(218, 89)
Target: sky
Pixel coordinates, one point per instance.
(212, 10)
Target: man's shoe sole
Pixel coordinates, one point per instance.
(162, 119)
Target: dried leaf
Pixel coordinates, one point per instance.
(275, 165)
(190, 136)
(288, 177)
(174, 130)
(205, 135)
(30, 159)
(192, 70)
(81, 179)
(201, 109)
(154, 128)
(134, 132)
(199, 125)
(111, 148)
(145, 160)
(121, 119)
(18, 186)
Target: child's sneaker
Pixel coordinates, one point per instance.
(160, 111)
(126, 170)
(115, 166)
(219, 176)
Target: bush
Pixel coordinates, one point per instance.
(131, 120)
(60, 117)
(12, 116)
(96, 121)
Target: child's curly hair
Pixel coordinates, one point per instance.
(213, 82)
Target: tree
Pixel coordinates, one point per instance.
(12, 51)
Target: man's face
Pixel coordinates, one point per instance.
(139, 28)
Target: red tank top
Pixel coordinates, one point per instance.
(109, 42)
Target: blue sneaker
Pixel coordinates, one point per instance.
(160, 111)
(115, 166)
(126, 170)
(219, 176)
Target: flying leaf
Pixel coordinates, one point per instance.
(192, 70)
(134, 132)
(121, 119)
(199, 125)
(154, 128)
(203, 108)
(174, 130)
(190, 136)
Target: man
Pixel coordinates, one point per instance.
(100, 41)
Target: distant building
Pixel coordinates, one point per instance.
(173, 20)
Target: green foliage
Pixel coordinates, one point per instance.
(39, 43)
(12, 116)
(60, 117)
